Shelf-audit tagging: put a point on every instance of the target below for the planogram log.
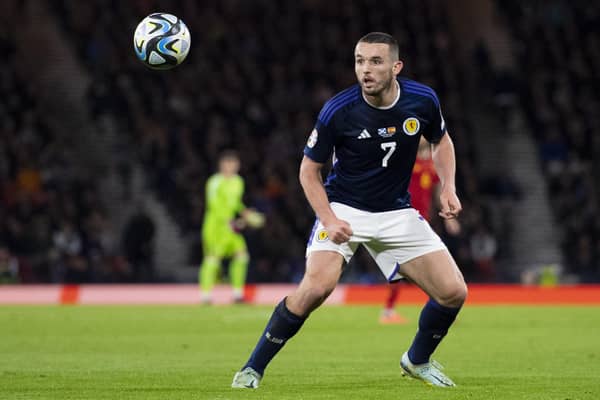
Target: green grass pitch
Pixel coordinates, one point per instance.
(192, 352)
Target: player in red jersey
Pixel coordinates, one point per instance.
(423, 183)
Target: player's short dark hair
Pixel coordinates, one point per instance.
(229, 154)
(382, 37)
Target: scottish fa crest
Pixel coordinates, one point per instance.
(411, 126)
(322, 236)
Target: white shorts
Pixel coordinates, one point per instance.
(391, 237)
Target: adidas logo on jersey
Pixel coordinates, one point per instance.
(364, 134)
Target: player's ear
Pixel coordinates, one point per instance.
(398, 65)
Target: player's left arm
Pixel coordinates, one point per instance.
(249, 217)
(444, 160)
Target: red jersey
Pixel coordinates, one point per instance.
(421, 186)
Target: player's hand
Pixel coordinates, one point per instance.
(253, 218)
(338, 230)
(449, 203)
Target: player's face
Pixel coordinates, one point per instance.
(229, 166)
(375, 69)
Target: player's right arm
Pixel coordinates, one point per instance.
(339, 231)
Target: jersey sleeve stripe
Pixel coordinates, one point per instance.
(422, 92)
(337, 98)
(337, 107)
(332, 104)
(336, 103)
(419, 86)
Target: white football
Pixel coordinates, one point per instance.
(161, 41)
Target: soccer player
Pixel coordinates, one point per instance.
(220, 230)
(423, 185)
(373, 129)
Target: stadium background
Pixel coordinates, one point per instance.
(103, 162)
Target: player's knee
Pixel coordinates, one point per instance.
(212, 259)
(242, 256)
(454, 296)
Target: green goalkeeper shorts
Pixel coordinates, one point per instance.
(222, 243)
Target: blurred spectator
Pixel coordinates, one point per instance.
(9, 266)
(559, 57)
(100, 248)
(138, 245)
(70, 264)
(483, 250)
(45, 199)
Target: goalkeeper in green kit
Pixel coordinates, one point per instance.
(225, 216)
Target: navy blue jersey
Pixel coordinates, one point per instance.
(374, 149)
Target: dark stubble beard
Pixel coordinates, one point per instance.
(380, 91)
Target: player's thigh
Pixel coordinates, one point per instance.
(438, 275)
(403, 236)
(212, 247)
(236, 245)
(223, 243)
(323, 270)
(214, 240)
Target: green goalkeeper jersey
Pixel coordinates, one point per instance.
(223, 202)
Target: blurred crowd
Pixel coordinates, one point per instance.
(256, 77)
(559, 59)
(52, 224)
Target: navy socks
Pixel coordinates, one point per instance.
(434, 322)
(281, 327)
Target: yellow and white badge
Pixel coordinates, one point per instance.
(322, 236)
(411, 126)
